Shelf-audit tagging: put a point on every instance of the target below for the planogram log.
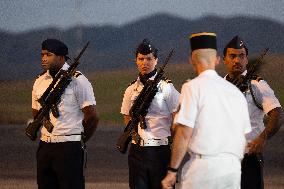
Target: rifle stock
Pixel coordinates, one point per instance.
(32, 129)
(125, 138)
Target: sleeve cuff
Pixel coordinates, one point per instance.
(88, 103)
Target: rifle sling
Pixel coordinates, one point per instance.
(253, 97)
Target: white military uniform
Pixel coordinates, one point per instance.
(148, 159)
(218, 113)
(264, 96)
(78, 94)
(158, 119)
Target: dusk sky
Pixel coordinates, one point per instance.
(23, 15)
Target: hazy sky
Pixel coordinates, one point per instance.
(22, 15)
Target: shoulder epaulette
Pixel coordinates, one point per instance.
(132, 82)
(257, 78)
(186, 81)
(166, 80)
(41, 74)
(77, 74)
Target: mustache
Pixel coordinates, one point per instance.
(237, 65)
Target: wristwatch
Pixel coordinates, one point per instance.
(174, 170)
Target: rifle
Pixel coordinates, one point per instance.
(242, 81)
(51, 98)
(140, 108)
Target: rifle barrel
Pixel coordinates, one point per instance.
(82, 51)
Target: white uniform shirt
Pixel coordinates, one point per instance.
(76, 96)
(159, 118)
(264, 95)
(218, 113)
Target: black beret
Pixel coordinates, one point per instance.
(203, 40)
(235, 43)
(146, 48)
(55, 46)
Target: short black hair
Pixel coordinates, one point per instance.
(146, 48)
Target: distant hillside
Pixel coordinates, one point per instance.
(109, 87)
(112, 47)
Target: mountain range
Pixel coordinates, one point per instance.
(112, 47)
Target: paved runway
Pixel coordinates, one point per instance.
(107, 168)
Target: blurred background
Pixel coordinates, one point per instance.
(114, 28)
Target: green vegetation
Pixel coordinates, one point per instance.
(109, 86)
(15, 100)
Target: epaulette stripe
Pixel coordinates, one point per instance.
(257, 78)
(41, 74)
(132, 82)
(77, 74)
(167, 80)
(188, 80)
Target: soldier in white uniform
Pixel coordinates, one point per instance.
(60, 158)
(261, 100)
(210, 125)
(148, 157)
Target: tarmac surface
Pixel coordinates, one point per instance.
(106, 167)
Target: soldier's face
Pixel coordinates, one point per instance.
(236, 61)
(146, 63)
(49, 60)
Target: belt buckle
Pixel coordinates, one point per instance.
(157, 142)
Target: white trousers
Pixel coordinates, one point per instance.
(211, 173)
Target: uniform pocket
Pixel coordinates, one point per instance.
(158, 104)
(68, 101)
